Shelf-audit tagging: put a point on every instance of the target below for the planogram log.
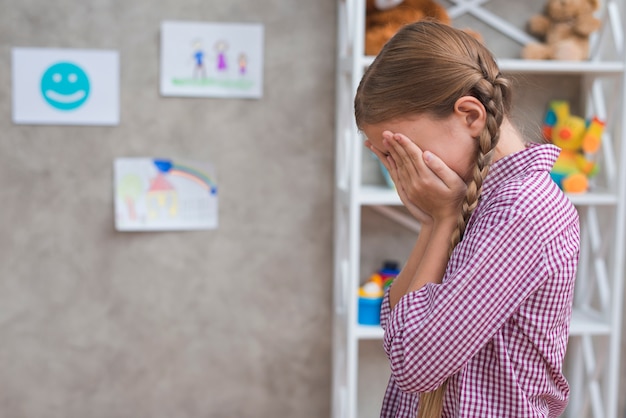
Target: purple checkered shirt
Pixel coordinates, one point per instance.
(497, 326)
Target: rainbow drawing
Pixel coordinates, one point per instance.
(158, 194)
(190, 173)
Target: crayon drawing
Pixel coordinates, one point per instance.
(161, 194)
(223, 60)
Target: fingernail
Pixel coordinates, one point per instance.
(427, 156)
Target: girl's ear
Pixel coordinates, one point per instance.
(472, 113)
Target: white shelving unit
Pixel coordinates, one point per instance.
(592, 363)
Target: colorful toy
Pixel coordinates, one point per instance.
(384, 277)
(372, 292)
(384, 17)
(579, 140)
(563, 28)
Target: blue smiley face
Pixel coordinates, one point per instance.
(65, 86)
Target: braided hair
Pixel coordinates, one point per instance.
(489, 91)
(424, 69)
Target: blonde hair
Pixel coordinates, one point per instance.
(424, 69)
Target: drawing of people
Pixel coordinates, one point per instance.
(243, 63)
(221, 47)
(199, 69)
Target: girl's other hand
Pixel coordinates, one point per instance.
(427, 181)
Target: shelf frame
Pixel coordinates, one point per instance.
(596, 320)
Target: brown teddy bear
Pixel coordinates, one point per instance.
(564, 27)
(385, 17)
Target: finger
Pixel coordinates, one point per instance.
(413, 150)
(408, 158)
(392, 168)
(402, 156)
(448, 176)
(392, 165)
(406, 150)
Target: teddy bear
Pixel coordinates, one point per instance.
(383, 18)
(564, 27)
(579, 140)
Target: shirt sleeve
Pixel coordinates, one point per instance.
(431, 333)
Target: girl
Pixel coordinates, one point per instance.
(476, 324)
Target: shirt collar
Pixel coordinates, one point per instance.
(536, 157)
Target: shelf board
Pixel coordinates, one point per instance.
(583, 323)
(586, 322)
(378, 195)
(560, 67)
(548, 67)
(369, 332)
(382, 195)
(593, 198)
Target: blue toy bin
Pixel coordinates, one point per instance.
(369, 310)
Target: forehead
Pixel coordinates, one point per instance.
(402, 125)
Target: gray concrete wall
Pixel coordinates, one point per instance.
(227, 323)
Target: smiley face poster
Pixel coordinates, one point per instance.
(65, 86)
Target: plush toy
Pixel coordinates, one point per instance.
(564, 27)
(578, 139)
(384, 17)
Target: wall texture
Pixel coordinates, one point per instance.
(227, 323)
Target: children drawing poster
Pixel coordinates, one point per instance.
(65, 86)
(153, 194)
(223, 60)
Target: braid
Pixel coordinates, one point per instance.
(490, 94)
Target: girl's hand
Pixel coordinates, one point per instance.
(415, 211)
(425, 179)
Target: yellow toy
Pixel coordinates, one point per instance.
(578, 139)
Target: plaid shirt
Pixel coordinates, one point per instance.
(497, 326)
